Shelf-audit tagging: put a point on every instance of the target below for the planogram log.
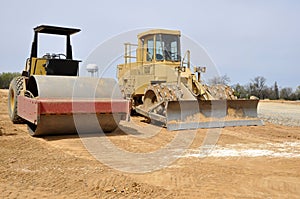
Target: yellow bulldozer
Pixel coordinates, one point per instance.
(162, 86)
(51, 98)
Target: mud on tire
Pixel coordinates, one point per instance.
(15, 87)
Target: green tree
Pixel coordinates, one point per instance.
(240, 91)
(5, 79)
(276, 91)
(297, 93)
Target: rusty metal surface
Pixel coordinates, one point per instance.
(167, 103)
(70, 124)
(193, 114)
(76, 104)
(28, 109)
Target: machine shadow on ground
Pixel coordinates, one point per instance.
(117, 132)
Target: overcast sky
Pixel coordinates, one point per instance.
(244, 38)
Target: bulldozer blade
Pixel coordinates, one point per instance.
(194, 114)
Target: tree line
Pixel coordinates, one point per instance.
(5, 79)
(257, 87)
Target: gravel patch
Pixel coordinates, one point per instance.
(280, 113)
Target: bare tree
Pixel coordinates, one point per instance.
(258, 88)
(224, 79)
(257, 85)
(286, 93)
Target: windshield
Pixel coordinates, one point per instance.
(167, 47)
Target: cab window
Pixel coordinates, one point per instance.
(150, 50)
(167, 47)
(159, 54)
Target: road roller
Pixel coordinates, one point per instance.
(51, 98)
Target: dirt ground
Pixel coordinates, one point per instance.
(280, 112)
(246, 162)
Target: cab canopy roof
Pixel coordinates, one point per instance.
(55, 30)
(159, 31)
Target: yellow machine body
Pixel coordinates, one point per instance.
(159, 81)
(37, 66)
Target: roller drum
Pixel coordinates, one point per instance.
(74, 89)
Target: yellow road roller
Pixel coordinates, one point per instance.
(51, 98)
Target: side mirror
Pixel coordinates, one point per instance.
(198, 69)
(180, 68)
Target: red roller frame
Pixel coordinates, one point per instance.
(31, 108)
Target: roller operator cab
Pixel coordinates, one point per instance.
(52, 63)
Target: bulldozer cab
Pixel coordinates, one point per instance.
(159, 46)
(52, 64)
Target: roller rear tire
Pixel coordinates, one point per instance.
(15, 87)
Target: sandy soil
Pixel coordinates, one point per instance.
(246, 162)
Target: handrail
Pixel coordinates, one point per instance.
(128, 51)
(188, 55)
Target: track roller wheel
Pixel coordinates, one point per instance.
(150, 99)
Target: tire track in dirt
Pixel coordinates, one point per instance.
(60, 167)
